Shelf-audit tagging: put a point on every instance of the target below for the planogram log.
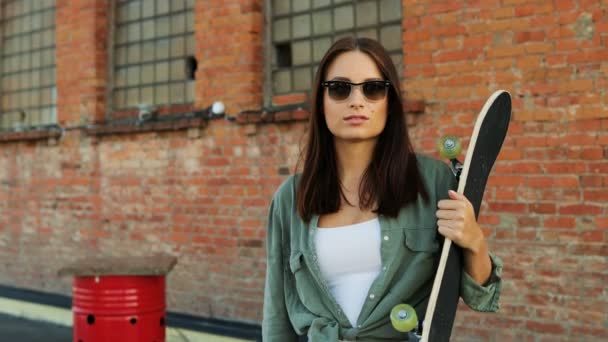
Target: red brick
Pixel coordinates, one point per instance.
(535, 141)
(556, 59)
(592, 181)
(560, 32)
(529, 62)
(591, 332)
(529, 36)
(587, 249)
(591, 56)
(565, 167)
(593, 236)
(506, 195)
(580, 209)
(429, 20)
(596, 195)
(443, 7)
(552, 182)
(542, 208)
(560, 222)
(451, 56)
(507, 51)
(527, 221)
(448, 31)
(538, 48)
(476, 41)
(524, 234)
(414, 58)
(594, 153)
(508, 207)
(601, 222)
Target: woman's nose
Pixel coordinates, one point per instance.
(357, 98)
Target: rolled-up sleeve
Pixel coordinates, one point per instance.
(483, 297)
(276, 325)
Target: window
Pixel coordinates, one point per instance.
(153, 53)
(27, 67)
(303, 30)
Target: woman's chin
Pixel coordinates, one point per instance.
(357, 138)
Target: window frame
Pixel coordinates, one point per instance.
(44, 112)
(114, 112)
(271, 67)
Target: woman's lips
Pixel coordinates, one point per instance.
(355, 119)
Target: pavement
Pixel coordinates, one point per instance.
(16, 329)
(30, 316)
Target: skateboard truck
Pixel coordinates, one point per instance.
(449, 147)
(456, 168)
(415, 336)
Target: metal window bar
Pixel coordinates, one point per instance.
(163, 83)
(27, 64)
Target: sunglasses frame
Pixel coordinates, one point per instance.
(387, 85)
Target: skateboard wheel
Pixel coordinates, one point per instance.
(449, 147)
(403, 318)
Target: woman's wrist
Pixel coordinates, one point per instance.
(477, 261)
(477, 245)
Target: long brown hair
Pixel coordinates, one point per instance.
(392, 179)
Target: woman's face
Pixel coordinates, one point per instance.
(357, 117)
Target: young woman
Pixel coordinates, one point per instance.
(355, 233)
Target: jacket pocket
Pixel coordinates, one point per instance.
(295, 262)
(421, 239)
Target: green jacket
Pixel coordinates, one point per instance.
(297, 300)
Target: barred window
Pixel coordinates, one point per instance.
(27, 64)
(303, 30)
(153, 53)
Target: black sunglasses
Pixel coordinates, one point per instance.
(341, 90)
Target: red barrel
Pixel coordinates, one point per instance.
(119, 308)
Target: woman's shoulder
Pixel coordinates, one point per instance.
(434, 171)
(286, 191)
(427, 163)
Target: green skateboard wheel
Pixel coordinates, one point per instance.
(403, 318)
(449, 147)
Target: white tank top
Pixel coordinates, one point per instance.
(349, 258)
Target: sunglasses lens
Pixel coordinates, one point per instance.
(339, 90)
(374, 90)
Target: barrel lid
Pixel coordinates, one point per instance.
(120, 265)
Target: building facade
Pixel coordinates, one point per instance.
(108, 146)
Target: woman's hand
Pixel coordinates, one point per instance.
(456, 221)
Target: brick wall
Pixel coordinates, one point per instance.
(545, 206)
(202, 192)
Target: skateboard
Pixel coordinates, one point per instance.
(488, 135)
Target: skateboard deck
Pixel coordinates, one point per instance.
(487, 138)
